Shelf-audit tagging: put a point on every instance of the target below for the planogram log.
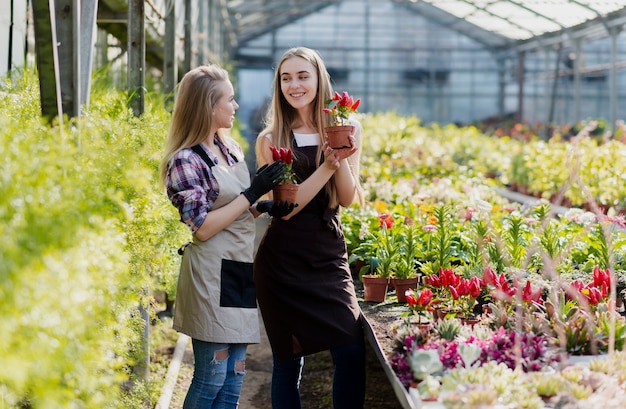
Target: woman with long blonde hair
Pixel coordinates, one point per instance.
(304, 284)
(207, 180)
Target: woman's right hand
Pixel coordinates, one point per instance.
(331, 157)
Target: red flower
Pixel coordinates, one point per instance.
(593, 295)
(286, 156)
(339, 107)
(601, 278)
(275, 153)
(490, 277)
(453, 292)
(386, 220)
(528, 295)
(474, 287)
(577, 285)
(448, 277)
(411, 297)
(462, 288)
(433, 281)
(422, 301)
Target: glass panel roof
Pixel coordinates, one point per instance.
(523, 19)
(495, 23)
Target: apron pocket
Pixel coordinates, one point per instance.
(238, 288)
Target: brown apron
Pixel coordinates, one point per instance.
(216, 299)
(304, 286)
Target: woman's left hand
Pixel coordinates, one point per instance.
(343, 153)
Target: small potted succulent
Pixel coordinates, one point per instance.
(424, 363)
(287, 189)
(339, 107)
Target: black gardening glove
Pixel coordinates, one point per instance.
(279, 209)
(265, 179)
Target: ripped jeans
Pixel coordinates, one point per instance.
(217, 376)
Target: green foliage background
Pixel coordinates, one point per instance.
(84, 228)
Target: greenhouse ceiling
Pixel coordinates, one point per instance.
(495, 23)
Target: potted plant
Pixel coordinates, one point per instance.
(424, 363)
(381, 266)
(421, 303)
(405, 273)
(287, 189)
(339, 107)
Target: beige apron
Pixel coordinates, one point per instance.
(216, 297)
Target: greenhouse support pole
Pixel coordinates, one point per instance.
(546, 85)
(520, 85)
(202, 49)
(614, 32)
(169, 59)
(85, 54)
(74, 59)
(188, 39)
(10, 53)
(136, 55)
(554, 85)
(577, 67)
(47, 59)
(501, 85)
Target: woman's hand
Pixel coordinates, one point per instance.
(343, 153)
(331, 157)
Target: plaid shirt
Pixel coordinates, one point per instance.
(191, 186)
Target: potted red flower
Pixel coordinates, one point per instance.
(339, 107)
(422, 303)
(287, 189)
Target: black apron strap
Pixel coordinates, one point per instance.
(198, 149)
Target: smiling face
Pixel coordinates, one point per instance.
(298, 82)
(225, 107)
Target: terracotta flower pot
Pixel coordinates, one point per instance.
(338, 136)
(375, 288)
(403, 284)
(287, 193)
(469, 321)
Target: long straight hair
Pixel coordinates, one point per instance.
(197, 94)
(281, 115)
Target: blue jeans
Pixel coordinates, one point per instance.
(217, 375)
(348, 379)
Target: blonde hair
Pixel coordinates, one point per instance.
(197, 94)
(281, 115)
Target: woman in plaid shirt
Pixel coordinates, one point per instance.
(207, 180)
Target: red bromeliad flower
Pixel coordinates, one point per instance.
(339, 107)
(286, 156)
